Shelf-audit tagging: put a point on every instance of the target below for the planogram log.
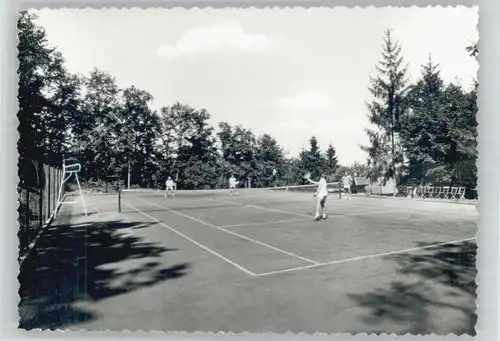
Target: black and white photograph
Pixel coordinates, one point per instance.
(303, 170)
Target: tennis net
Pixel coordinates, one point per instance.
(212, 198)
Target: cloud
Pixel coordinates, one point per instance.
(292, 125)
(229, 36)
(312, 99)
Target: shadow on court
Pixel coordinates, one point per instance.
(77, 263)
(445, 284)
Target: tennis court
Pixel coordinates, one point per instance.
(266, 232)
(255, 261)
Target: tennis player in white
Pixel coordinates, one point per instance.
(232, 184)
(347, 186)
(321, 195)
(169, 187)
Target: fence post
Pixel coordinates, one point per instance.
(56, 190)
(59, 180)
(58, 184)
(45, 192)
(49, 190)
(53, 173)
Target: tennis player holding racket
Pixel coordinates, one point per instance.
(321, 195)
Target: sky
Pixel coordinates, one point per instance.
(291, 73)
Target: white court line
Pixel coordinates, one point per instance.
(192, 240)
(114, 202)
(429, 207)
(345, 203)
(331, 216)
(385, 210)
(231, 232)
(281, 211)
(362, 213)
(389, 209)
(264, 223)
(432, 210)
(361, 258)
(309, 216)
(419, 210)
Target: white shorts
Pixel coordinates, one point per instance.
(170, 188)
(232, 186)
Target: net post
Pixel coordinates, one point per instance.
(341, 188)
(119, 201)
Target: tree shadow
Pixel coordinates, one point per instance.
(77, 263)
(437, 282)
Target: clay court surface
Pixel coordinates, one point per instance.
(250, 263)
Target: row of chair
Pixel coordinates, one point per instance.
(436, 192)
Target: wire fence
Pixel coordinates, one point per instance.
(38, 191)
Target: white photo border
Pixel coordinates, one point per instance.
(488, 326)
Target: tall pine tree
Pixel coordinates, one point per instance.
(311, 159)
(424, 131)
(330, 163)
(460, 146)
(386, 110)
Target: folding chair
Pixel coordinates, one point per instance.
(453, 193)
(430, 192)
(444, 193)
(437, 192)
(460, 193)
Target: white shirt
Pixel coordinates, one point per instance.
(347, 181)
(322, 188)
(232, 181)
(170, 183)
